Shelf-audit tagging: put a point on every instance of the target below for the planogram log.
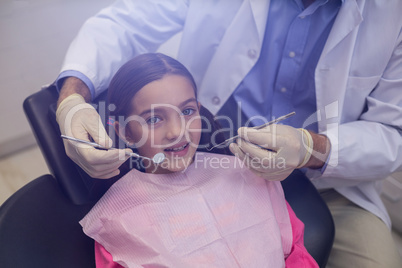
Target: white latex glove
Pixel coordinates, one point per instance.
(280, 150)
(80, 120)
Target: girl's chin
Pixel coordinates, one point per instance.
(177, 169)
(166, 170)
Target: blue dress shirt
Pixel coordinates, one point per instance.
(282, 80)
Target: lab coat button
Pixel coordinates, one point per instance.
(283, 90)
(252, 53)
(216, 100)
(292, 54)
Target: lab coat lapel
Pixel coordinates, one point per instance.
(349, 17)
(332, 70)
(246, 32)
(260, 13)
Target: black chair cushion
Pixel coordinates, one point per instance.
(78, 186)
(39, 228)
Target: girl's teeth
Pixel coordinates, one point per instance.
(177, 149)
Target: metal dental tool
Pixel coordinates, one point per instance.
(257, 127)
(157, 159)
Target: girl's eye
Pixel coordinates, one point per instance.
(188, 111)
(153, 120)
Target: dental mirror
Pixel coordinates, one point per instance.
(157, 159)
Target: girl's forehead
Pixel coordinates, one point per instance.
(171, 90)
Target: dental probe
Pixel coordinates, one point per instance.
(257, 127)
(157, 159)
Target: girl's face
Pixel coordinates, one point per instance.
(165, 118)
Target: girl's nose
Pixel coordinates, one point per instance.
(175, 128)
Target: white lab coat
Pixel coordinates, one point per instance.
(358, 77)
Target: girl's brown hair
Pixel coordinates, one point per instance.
(137, 73)
(149, 67)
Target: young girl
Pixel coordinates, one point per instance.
(195, 209)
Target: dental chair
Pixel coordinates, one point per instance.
(39, 223)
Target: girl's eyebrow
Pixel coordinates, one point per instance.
(159, 109)
(187, 101)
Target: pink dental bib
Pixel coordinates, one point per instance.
(217, 213)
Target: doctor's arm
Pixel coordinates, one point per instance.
(365, 147)
(104, 43)
(118, 33)
(369, 148)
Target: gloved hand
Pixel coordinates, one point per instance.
(79, 119)
(273, 152)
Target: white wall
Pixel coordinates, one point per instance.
(34, 36)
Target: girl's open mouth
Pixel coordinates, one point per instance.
(180, 150)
